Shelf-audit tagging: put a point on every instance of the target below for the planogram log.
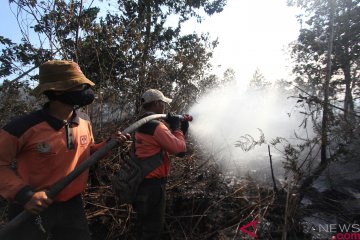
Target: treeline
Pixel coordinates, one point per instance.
(125, 50)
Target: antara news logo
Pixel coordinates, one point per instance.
(339, 231)
(250, 229)
(342, 231)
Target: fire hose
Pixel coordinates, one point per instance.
(61, 184)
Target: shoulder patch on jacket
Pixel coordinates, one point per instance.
(20, 125)
(149, 127)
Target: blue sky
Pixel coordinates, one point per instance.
(252, 33)
(8, 24)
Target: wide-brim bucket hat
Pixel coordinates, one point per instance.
(60, 75)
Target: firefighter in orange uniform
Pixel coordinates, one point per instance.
(39, 149)
(150, 139)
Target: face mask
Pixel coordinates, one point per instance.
(77, 98)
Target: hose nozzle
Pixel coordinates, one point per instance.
(186, 117)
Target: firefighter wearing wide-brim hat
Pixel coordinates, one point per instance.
(46, 146)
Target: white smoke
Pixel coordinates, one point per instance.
(224, 115)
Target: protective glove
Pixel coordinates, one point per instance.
(184, 126)
(173, 121)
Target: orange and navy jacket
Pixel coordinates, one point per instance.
(37, 150)
(153, 137)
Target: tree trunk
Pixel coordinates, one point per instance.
(326, 109)
(348, 101)
(145, 11)
(79, 19)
